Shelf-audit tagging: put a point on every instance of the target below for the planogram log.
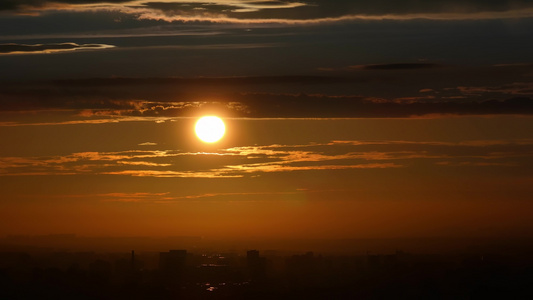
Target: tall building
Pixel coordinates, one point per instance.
(256, 265)
(172, 262)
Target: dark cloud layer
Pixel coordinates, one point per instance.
(280, 10)
(318, 106)
(334, 9)
(48, 48)
(173, 97)
(23, 4)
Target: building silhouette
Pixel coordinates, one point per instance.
(256, 265)
(172, 263)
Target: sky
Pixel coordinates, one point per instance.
(344, 119)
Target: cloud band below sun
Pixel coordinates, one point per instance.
(250, 161)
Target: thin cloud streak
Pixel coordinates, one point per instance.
(475, 164)
(514, 14)
(126, 33)
(239, 162)
(167, 197)
(115, 119)
(19, 49)
(515, 88)
(173, 174)
(206, 47)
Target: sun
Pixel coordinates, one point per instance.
(210, 129)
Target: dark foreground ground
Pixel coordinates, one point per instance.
(181, 274)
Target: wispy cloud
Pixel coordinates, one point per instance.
(143, 163)
(167, 197)
(131, 197)
(475, 164)
(178, 174)
(515, 88)
(17, 49)
(285, 12)
(239, 162)
(149, 14)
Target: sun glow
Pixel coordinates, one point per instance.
(210, 129)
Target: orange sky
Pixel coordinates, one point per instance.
(344, 119)
(359, 178)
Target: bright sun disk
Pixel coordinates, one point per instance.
(210, 129)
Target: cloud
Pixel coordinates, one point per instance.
(143, 163)
(238, 162)
(398, 66)
(172, 174)
(185, 81)
(475, 164)
(515, 88)
(147, 144)
(28, 5)
(216, 7)
(131, 197)
(286, 12)
(103, 100)
(163, 5)
(512, 14)
(323, 106)
(210, 46)
(111, 100)
(167, 197)
(11, 48)
(469, 143)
